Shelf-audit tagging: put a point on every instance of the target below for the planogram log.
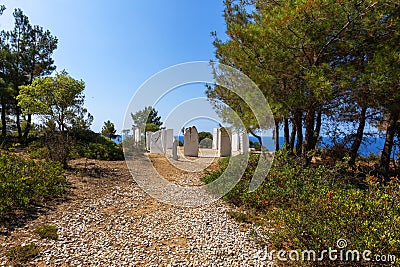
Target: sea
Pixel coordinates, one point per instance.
(369, 146)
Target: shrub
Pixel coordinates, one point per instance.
(101, 148)
(23, 253)
(37, 150)
(83, 143)
(47, 231)
(23, 182)
(313, 207)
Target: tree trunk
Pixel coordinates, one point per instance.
(18, 122)
(286, 130)
(358, 138)
(292, 137)
(256, 136)
(387, 149)
(29, 120)
(3, 118)
(299, 129)
(276, 135)
(27, 128)
(309, 123)
(309, 140)
(317, 129)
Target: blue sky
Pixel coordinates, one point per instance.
(115, 46)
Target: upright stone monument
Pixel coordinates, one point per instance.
(170, 138)
(138, 136)
(148, 140)
(191, 142)
(156, 144)
(244, 143)
(164, 140)
(224, 143)
(175, 150)
(235, 141)
(215, 139)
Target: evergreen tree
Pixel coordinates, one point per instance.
(147, 119)
(108, 129)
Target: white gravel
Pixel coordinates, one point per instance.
(126, 227)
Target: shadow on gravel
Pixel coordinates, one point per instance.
(91, 170)
(19, 218)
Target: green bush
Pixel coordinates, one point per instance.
(37, 150)
(47, 231)
(313, 207)
(86, 144)
(23, 182)
(102, 149)
(22, 254)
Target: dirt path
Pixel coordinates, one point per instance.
(107, 220)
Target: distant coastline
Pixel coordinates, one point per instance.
(369, 146)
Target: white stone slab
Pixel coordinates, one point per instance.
(175, 150)
(215, 139)
(170, 138)
(191, 142)
(224, 143)
(148, 140)
(156, 143)
(244, 143)
(235, 141)
(138, 137)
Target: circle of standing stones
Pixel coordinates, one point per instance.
(225, 142)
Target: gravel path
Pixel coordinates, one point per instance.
(110, 221)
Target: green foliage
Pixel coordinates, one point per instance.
(26, 53)
(257, 146)
(241, 217)
(47, 231)
(104, 151)
(22, 254)
(108, 129)
(23, 182)
(204, 135)
(147, 119)
(151, 127)
(58, 100)
(98, 147)
(38, 152)
(335, 61)
(313, 207)
(222, 164)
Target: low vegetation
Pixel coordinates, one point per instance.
(47, 231)
(98, 147)
(22, 254)
(313, 207)
(86, 144)
(24, 182)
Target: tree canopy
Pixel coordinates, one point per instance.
(26, 52)
(108, 129)
(57, 99)
(147, 119)
(315, 61)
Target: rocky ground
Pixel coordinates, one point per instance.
(105, 219)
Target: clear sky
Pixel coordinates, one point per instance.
(115, 46)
